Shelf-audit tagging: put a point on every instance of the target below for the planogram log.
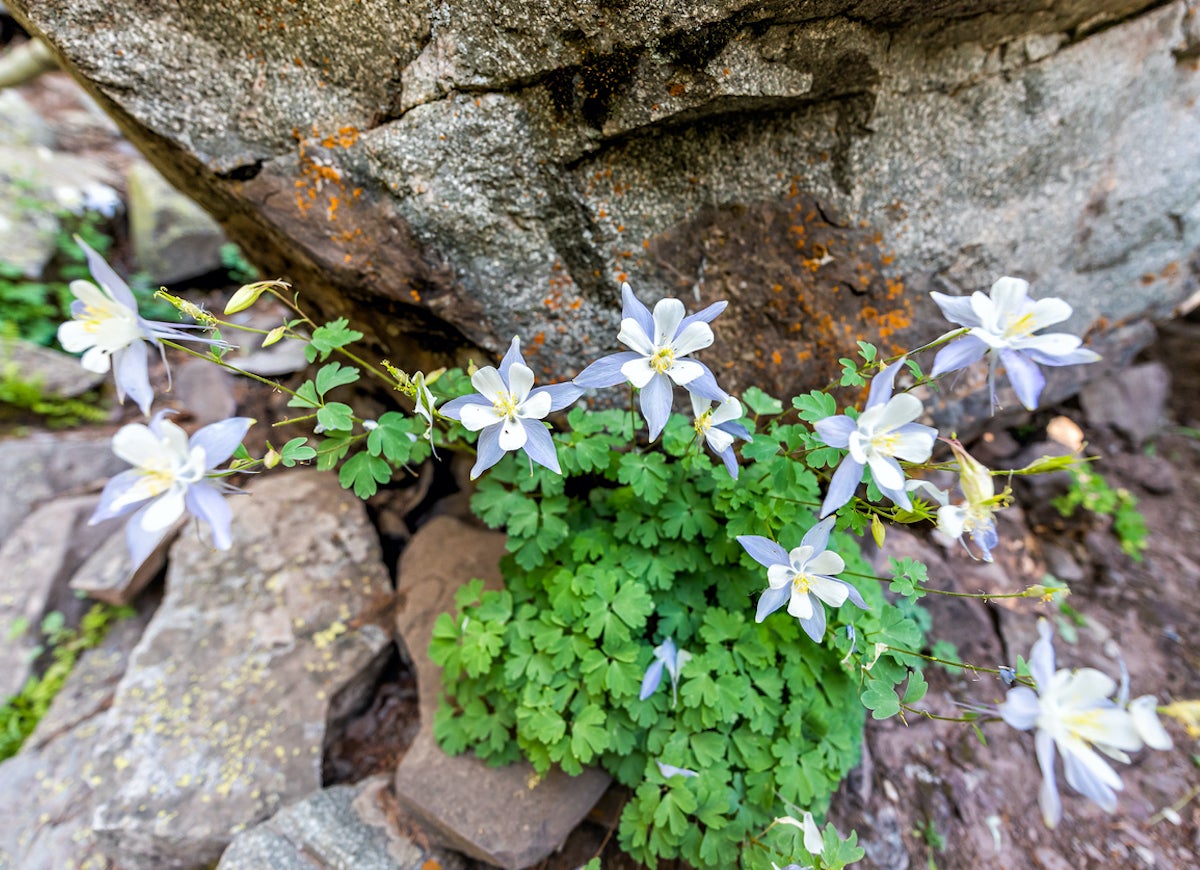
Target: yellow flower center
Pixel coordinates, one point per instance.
(703, 422)
(885, 442)
(506, 405)
(801, 583)
(662, 360)
(157, 480)
(1018, 327)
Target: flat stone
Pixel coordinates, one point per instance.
(1133, 401)
(40, 467)
(346, 826)
(507, 816)
(55, 372)
(107, 575)
(255, 654)
(39, 559)
(173, 238)
(205, 390)
(46, 789)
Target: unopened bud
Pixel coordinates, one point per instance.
(878, 532)
(248, 294)
(274, 335)
(271, 459)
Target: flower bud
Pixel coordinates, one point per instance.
(271, 459)
(248, 294)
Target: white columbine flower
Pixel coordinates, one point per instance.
(801, 578)
(425, 401)
(1003, 327)
(107, 329)
(884, 432)
(719, 427)
(669, 657)
(1075, 711)
(507, 412)
(660, 344)
(171, 475)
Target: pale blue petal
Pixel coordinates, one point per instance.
(105, 275)
(219, 440)
(114, 490)
(132, 376)
(561, 395)
(730, 460)
(1079, 356)
(958, 354)
(1024, 375)
(835, 431)
(956, 309)
(204, 501)
(1041, 657)
(852, 594)
(986, 538)
(818, 536)
(512, 355)
(882, 383)
(141, 543)
(539, 445)
(1048, 795)
(771, 600)
(606, 371)
(899, 496)
(706, 315)
(762, 550)
(453, 408)
(705, 386)
(841, 488)
(737, 430)
(814, 626)
(652, 679)
(1020, 708)
(488, 450)
(631, 307)
(1085, 781)
(655, 402)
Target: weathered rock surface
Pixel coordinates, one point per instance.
(37, 468)
(173, 238)
(46, 789)
(55, 372)
(506, 816)
(341, 827)
(253, 656)
(464, 171)
(1134, 402)
(38, 560)
(107, 575)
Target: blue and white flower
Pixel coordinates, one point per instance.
(507, 412)
(108, 330)
(667, 657)
(976, 516)
(1075, 712)
(172, 474)
(658, 360)
(719, 427)
(883, 433)
(1003, 327)
(801, 578)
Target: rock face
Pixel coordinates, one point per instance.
(507, 816)
(173, 238)
(222, 715)
(464, 171)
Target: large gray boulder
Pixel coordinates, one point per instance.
(473, 169)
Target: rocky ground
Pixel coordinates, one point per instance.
(272, 702)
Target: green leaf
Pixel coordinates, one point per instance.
(916, 688)
(392, 437)
(335, 375)
(329, 337)
(880, 699)
(296, 450)
(336, 416)
(363, 472)
(760, 403)
(815, 406)
(589, 733)
(646, 473)
(306, 396)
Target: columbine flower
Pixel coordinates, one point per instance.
(171, 474)
(814, 843)
(801, 578)
(883, 433)
(508, 413)
(667, 656)
(425, 401)
(660, 342)
(719, 427)
(976, 515)
(106, 327)
(1003, 327)
(1075, 711)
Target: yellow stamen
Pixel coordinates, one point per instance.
(505, 405)
(662, 360)
(801, 582)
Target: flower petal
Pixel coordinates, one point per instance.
(219, 440)
(780, 576)
(814, 626)
(110, 280)
(842, 486)
(770, 601)
(121, 495)
(913, 442)
(801, 606)
(632, 336)
(705, 385)
(1048, 794)
(883, 383)
(829, 590)
(668, 313)
(1009, 296)
(1026, 379)
(730, 409)
(132, 376)
(163, 511)
(718, 440)
(539, 446)
(762, 550)
(512, 356)
(886, 472)
(655, 402)
(1041, 657)
(488, 450)
(536, 406)
(826, 562)
(1020, 708)
(898, 411)
(639, 372)
(684, 371)
(453, 408)
(513, 434)
(693, 337)
(958, 354)
(730, 460)
(835, 431)
(818, 536)
(606, 371)
(1091, 776)
(706, 315)
(136, 444)
(475, 417)
(1049, 311)
(651, 680)
(204, 501)
(488, 382)
(520, 381)
(1144, 711)
(956, 309)
(140, 541)
(633, 309)
(561, 395)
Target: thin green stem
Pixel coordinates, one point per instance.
(220, 362)
(964, 719)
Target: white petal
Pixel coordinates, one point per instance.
(700, 406)
(779, 576)
(520, 382)
(886, 472)
(684, 371)
(800, 605)
(638, 372)
(985, 311)
(730, 409)
(668, 314)
(512, 435)
(633, 337)
(913, 446)
(137, 445)
(1049, 311)
(901, 409)
(91, 295)
(718, 440)
(950, 520)
(1008, 296)
(1051, 344)
(1144, 711)
(476, 417)
(97, 360)
(695, 336)
(489, 383)
(74, 336)
(826, 562)
(1086, 687)
(164, 510)
(535, 407)
(831, 592)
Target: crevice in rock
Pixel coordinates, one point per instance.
(245, 172)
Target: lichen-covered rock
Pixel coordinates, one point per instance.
(173, 238)
(464, 171)
(346, 826)
(254, 654)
